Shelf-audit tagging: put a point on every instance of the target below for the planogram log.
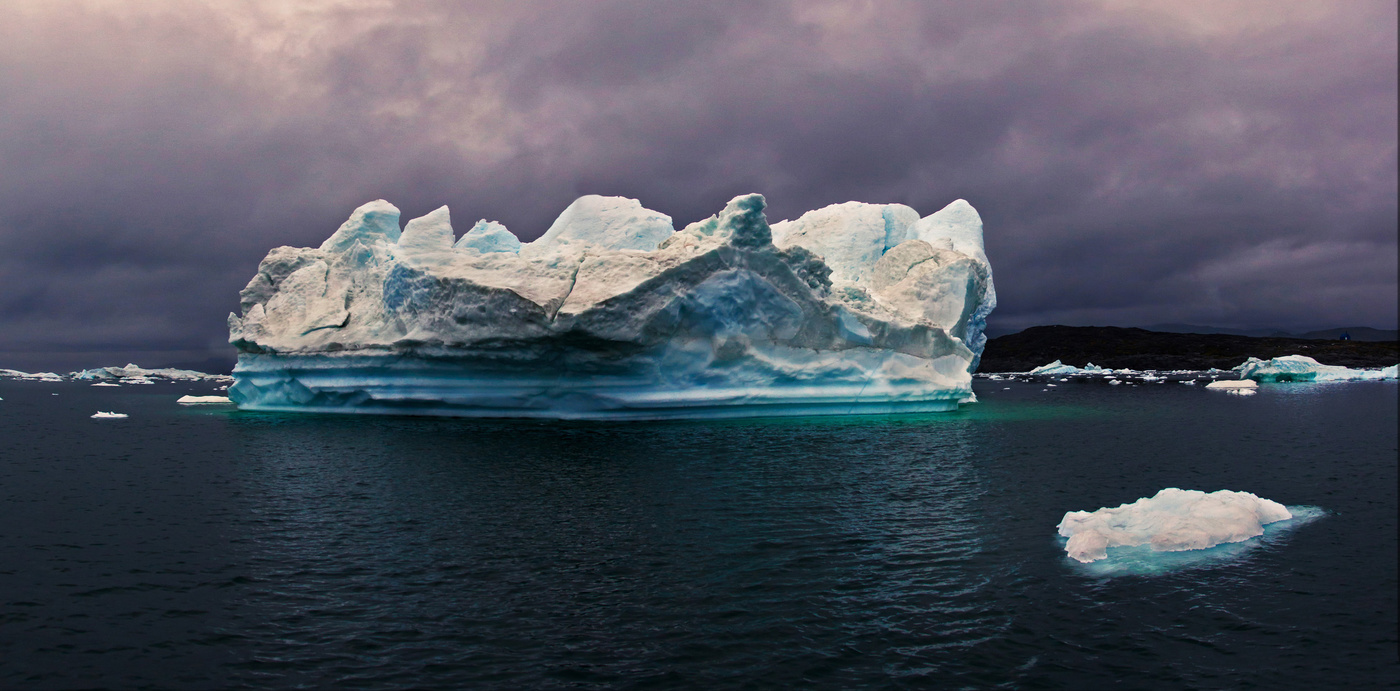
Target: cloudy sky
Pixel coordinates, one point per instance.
(1212, 162)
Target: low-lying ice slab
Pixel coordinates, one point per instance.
(1173, 520)
(138, 374)
(1239, 387)
(203, 400)
(611, 314)
(1303, 368)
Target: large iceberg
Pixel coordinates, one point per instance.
(1303, 368)
(612, 314)
(1172, 521)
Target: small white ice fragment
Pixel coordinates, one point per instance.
(1239, 387)
(1174, 520)
(107, 416)
(103, 383)
(203, 400)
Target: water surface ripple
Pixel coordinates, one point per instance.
(202, 548)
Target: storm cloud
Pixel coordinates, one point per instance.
(1225, 163)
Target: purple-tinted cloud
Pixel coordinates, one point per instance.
(1223, 163)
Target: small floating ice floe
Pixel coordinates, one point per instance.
(103, 383)
(99, 415)
(1189, 382)
(1238, 387)
(1114, 382)
(203, 400)
(1174, 520)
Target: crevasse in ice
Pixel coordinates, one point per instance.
(612, 314)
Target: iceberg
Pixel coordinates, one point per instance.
(30, 376)
(1301, 368)
(1173, 520)
(135, 374)
(613, 314)
(99, 415)
(1058, 368)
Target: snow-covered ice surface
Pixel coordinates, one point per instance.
(1238, 387)
(1301, 368)
(202, 400)
(611, 314)
(1139, 537)
(1058, 368)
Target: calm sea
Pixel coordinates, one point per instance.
(199, 547)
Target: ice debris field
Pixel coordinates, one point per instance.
(1174, 520)
(614, 314)
(1243, 379)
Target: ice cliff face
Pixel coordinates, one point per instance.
(853, 308)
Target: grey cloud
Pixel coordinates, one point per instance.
(1131, 168)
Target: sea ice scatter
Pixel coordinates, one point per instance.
(1173, 520)
(613, 314)
(1303, 368)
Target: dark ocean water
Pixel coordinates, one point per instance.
(198, 547)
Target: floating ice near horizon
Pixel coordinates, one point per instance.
(1058, 368)
(1238, 387)
(107, 416)
(611, 314)
(135, 374)
(203, 400)
(1301, 368)
(29, 376)
(1173, 520)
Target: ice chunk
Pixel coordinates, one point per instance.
(1056, 368)
(99, 415)
(430, 232)
(202, 400)
(849, 237)
(1173, 520)
(103, 383)
(612, 315)
(489, 236)
(1299, 368)
(1240, 387)
(607, 223)
(377, 221)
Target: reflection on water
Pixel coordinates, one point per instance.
(198, 548)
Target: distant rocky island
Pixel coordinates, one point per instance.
(1141, 349)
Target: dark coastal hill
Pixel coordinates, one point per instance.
(1115, 347)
